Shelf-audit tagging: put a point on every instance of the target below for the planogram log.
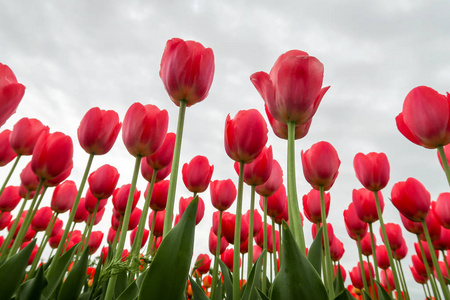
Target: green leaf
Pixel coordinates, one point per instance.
(197, 291)
(315, 252)
(140, 279)
(253, 279)
(261, 295)
(167, 275)
(382, 294)
(12, 272)
(121, 283)
(338, 283)
(297, 278)
(366, 296)
(344, 295)
(32, 289)
(218, 295)
(55, 277)
(130, 293)
(71, 288)
(227, 279)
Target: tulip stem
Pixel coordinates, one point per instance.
(435, 262)
(250, 231)
(274, 248)
(264, 275)
(444, 162)
(386, 243)
(361, 264)
(13, 228)
(280, 244)
(116, 236)
(427, 268)
(152, 236)
(329, 275)
(69, 237)
(174, 171)
(237, 233)
(296, 225)
(374, 253)
(59, 251)
(16, 161)
(242, 269)
(216, 258)
(372, 282)
(446, 262)
(402, 278)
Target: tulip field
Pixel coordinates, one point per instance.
(257, 251)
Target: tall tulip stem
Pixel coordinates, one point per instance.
(329, 275)
(296, 225)
(216, 258)
(16, 161)
(237, 233)
(427, 268)
(361, 263)
(374, 253)
(250, 231)
(444, 162)
(174, 171)
(264, 276)
(10, 235)
(274, 248)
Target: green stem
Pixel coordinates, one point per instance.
(150, 243)
(69, 236)
(374, 253)
(44, 240)
(295, 221)
(242, 269)
(444, 162)
(274, 248)
(174, 171)
(329, 275)
(237, 233)
(280, 244)
(361, 264)
(372, 282)
(402, 279)
(7, 241)
(427, 267)
(116, 236)
(250, 231)
(10, 173)
(264, 275)
(387, 281)
(386, 243)
(437, 268)
(88, 230)
(216, 259)
(446, 262)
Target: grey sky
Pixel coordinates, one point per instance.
(77, 55)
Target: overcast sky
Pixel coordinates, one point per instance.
(78, 55)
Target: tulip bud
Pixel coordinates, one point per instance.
(25, 134)
(223, 194)
(312, 208)
(103, 181)
(197, 174)
(7, 153)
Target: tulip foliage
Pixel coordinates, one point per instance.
(256, 254)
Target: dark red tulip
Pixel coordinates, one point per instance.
(223, 194)
(228, 227)
(443, 243)
(356, 277)
(57, 227)
(411, 198)
(258, 171)
(365, 206)
(284, 216)
(184, 202)
(243, 247)
(52, 155)
(120, 198)
(366, 244)
(197, 174)
(444, 272)
(54, 240)
(320, 165)
(293, 89)
(81, 214)
(213, 243)
(25, 194)
(274, 182)
(7, 153)
(441, 209)
(203, 262)
(394, 235)
(28, 179)
(281, 129)
(372, 170)
(90, 202)
(187, 71)
(275, 203)
(411, 226)
(95, 240)
(355, 227)
(135, 216)
(158, 198)
(245, 135)
(64, 196)
(425, 118)
(382, 257)
(311, 206)
(343, 272)
(259, 238)
(25, 134)
(417, 277)
(98, 217)
(257, 221)
(115, 223)
(163, 157)
(144, 237)
(98, 130)
(11, 93)
(418, 265)
(144, 129)
(159, 222)
(103, 181)
(9, 198)
(111, 235)
(42, 218)
(227, 258)
(336, 249)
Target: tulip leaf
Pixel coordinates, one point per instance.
(32, 289)
(218, 295)
(169, 270)
(12, 272)
(71, 288)
(297, 278)
(253, 279)
(130, 293)
(227, 279)
(121, 283)
(382, 294)
(261, 295)
(315, 252)
(197, 291)
(140, 279)
(338, 282)
(55, 277)
(366, 296)
(344, 295)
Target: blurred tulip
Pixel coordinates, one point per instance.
(411, 198)
(382, 257)
(274, 182)
(197, 174)
(7, 153)
(418, 278)
(55, 181)
(163, 156)
(336, 250)
(144, 237)
(159, 222)
(158, 198)
(11, 93)
(258, 171)
(331, 236)
(394, 235)
(5, 219)
(365, 206)
(275, 203)
(441, 209)
(355, 227)
(427, 252)
(103, 181)
(184, 202)
(42, 218)
(228, 228)
(401, 252)
(387, 280)
(135, 216)
(419, 266)
(366, 244)
(64, 196)
(223, 194)
(28, 179)
(203, 262)
(81, 213)
(25, 134)
(227, 258)
(95, 240)
(257, 221)
(343, 272)
(213, 243)
(147, 172)
(256, 253)
(58, 225)
(411, 226)
(9, 198)
(120, 198)
(90, 202)
(433, 226)
(54, 240)
(281, 129)
(372, 170)
(311, 206)
(443, 243)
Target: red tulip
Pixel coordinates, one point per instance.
(98, 217)
(55, 181)
(425, 118)
(33, 253)
(281, 129)
(42, 218)
(207, 281)
(111, 235)
(135, 216)
(257, 221)
(147, 172)
(64, 196)
(54, 240)
(331, 236)
(98, 130)
(95, 240)
(387, 279)
(355, 227)
(163, 157)
(274, 182)
(57, 227)
(426, 250)
(394, 235)
(311, 206)
(293, 89)
(144, 237)
(417, 277)
(372, 170)
(227, 258)
(366, 244)
(187, 71)
(243, 247)
(443, 242)
(223, 194)
(7, 153)
(447, 155)
(144, 129)
(5, 219)
(25, 194)
(9, 198)
(444, 272)
(320, 165)
(336, 250)
(275, 203)
(256, 253)
(28, 179)
(365, 206)
(52, 155)
(343, 272)
(418, 265)
(213, 243)
(411, 226)
(258, 171)
(103, 181)
(120, 198)
(159, 222)
(259, 238)
(158, 198)
(203, 262)
(81, 213)
(356, 277)
(25, 134)
(411, 198)
(197, 174)
(434, 227)
(90, 202)
(442, 209)
(184, 202)
(11, 93)
(228, 227)
(382, 257)
(401, 252)
(245, 135)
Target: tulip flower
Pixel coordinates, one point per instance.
(103, 181)
(419, 266)
(227, 258)
(64, 196)
(257, 221)
(394, 235)
(258, 171)
(120, 198)
(228, 228)
(203, 262)
(11, 93)
(433, 226)
(95, 240)
(271, 185)
(365, 206)
(401, 252)
(366, 244)
(331, 236)
(42, 218)
(336, 250)
(207, 280)
(28, 179)
(9, 198)
(372, 170)
(7, 153)
(163, 156)
(54, 240)
(418, 278)
(158, 198)
(81, 213)
(157, 225)
(197, 174)
(355, 227)
(411, 198)
(442, 209)
(311, 206)
(5, 219)
(281, 129)
(184, 202)
(212, 242)
(382, 257)
(144, 237)
(147, 172)
(25, 134)
(426, 250)
(134, 218)
(223, 193)
(90, 202)
(443, 242)
(387, 280)
(275, 203)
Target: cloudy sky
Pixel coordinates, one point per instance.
(78, 55)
